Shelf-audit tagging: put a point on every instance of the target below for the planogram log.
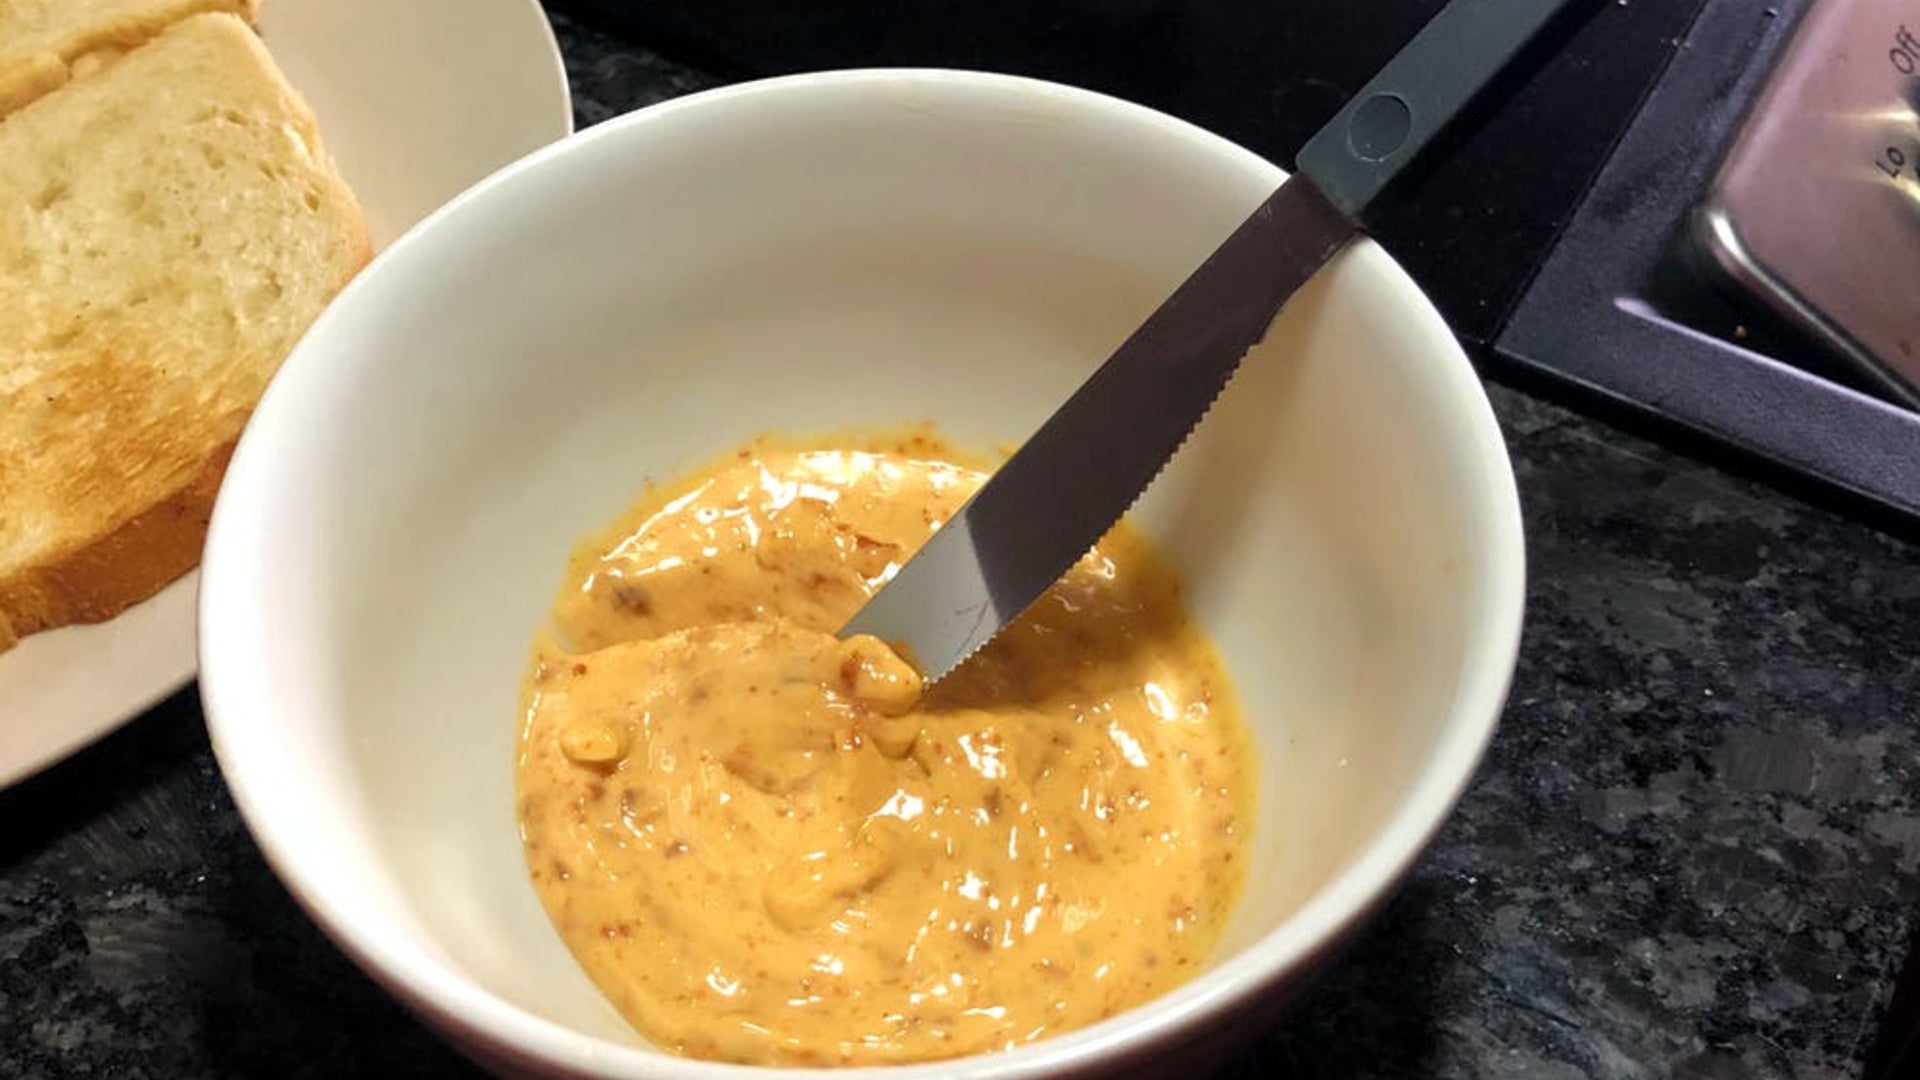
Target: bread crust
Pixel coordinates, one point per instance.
(94, 580)
(59, 54)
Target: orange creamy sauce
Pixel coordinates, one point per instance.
(768, 845)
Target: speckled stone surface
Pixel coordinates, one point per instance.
(1694, 850)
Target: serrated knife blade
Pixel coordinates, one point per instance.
(1074, 477)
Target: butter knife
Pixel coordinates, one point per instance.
(1073, 479)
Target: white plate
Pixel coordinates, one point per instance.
(417, 99)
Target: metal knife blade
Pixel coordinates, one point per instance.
(1067, 485)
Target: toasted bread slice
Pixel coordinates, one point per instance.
(169, 226)
(43, 43)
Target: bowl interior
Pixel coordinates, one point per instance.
(801, 256)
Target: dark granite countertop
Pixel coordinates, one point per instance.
(1694, 850)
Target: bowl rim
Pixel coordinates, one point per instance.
(504, 1033)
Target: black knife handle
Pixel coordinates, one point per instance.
(1420, 91)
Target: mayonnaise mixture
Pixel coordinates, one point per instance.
(769, 845)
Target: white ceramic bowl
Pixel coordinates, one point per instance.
(797, 255)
